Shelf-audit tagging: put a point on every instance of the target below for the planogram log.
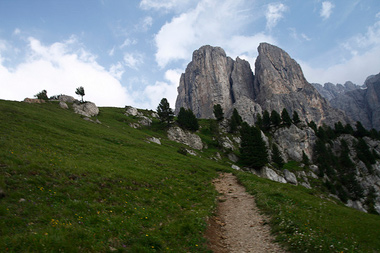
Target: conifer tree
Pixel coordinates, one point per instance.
(275, 118)
(276, 157)
(42, 95)
(266, 121)
(305, 158)
(235, 121)
(187, 119)
(296, 118)
(286, 120)
(253, 149)
(360, 130)
(164, 111)
(259, 121)
(218, 112)
(313, 126)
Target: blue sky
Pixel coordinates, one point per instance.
(132, 52)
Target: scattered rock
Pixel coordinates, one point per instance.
(21, 200)
(235, 167)
(145, 121)
(134, 125)
(34, 101)
(154, 140)
(131, 111)
(185, 137)
(67, 99)
(356, 204)
(63, 105)
(87, 109)
(233, 157)
(268, 173)
(290, 177)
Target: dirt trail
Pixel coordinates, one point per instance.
(238, 225)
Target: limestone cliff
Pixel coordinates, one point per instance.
(213, 78)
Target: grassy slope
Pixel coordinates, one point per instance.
(91, 187)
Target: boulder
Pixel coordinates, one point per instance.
(63, 105)
(154, 140)
(268, 173)
(290, 177)
(235, 167)
(131, 111)
(67, 99)
(145, 121)
(87, 109)
(34, 101)
(179, 135)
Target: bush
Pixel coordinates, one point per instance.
(42, 95)
(187, 120)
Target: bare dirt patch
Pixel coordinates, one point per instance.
(238, 225)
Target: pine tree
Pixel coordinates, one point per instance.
(164, 111)
(266, 121)
(286, 120)
(339, 128)
(313, 126)
(235, 121)
(253, 149)
(305, 158)
(276, 157)
(259, 121)
(42, 95)
(360, 130)
(80, 91)
(275, 118)
(296, 118)
(218, 112)
(187, 119)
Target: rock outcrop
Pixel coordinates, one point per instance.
(213, 78)
(179, 135)
(361, 103)
(87, 109)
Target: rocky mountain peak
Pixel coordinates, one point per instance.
(213, 78)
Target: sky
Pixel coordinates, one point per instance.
(132, 52)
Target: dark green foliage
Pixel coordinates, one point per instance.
(374, 134)
(339, 128)
(276, 157)
(235, 121)
(266, 121)
(164, 111)
(296, 118)
(42, 95)
(348, 129)
(305, 159)
(275, 118)
(330, 133)
(253, 151)
(259, 121)
(313, 126)
(80, 92)
(360, 131)
(321, 134)
(187, 120)
(218, 112)
(364, 154)
(286, 120)
(370, 201)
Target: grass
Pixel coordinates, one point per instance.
(73, 185)
(305, 221)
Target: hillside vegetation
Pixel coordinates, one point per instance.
(72, 185)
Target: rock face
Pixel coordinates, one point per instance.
(361, 103)
(293, 140)
(177, 134)
(213, 78)
(87, 109)
(280, 83)
(34, 101)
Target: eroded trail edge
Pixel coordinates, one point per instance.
(238, 225)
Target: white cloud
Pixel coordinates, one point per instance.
(60, 69)
(128, 42)
(147, 23)
(274, 14)
(378, 15)
(167, 90)
(111, 52)
(166, 5)
(211, 22)
(117, 70)
(17, 31)
(326, 9)
(133, 60)
(363, 60)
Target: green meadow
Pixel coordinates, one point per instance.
(75, 186)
